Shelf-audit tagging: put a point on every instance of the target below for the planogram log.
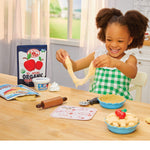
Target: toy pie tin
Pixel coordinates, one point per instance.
(111, 105)
(121, 130)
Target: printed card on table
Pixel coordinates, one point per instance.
(73, 112)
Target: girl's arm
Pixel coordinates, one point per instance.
(129, 68)
(76, 65)
(82, 63)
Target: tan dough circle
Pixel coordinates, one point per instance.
(147, 120)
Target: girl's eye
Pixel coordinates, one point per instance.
(120, 41)
(109, 40)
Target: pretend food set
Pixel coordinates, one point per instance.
(119, 122)
(31, 63)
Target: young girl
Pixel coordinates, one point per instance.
(114, 68)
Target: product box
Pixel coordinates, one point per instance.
(31, 63)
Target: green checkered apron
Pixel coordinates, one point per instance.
(111, 81)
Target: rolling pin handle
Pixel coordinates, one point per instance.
(64, 98)
(39, 105)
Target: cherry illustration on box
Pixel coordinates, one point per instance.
(39, 64)
(31, 63)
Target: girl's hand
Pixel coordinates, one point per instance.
(104, 61)
(61, 55)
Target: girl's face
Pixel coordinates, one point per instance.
(117, 40)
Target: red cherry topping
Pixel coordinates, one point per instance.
(117, 112)
(120, 114)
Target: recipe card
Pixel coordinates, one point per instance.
(73, 112)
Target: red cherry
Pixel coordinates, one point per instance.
(29, 64)
(117, 112)
(122, 115)
(38, 65)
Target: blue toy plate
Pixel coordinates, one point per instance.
(121, 130)
(111, 105)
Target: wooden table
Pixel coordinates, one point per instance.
(23, 121)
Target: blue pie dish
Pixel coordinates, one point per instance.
(121, 130)
(111, 105)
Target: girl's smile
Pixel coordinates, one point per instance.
(114, 51)
(117, 40)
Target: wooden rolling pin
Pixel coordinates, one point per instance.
(51, 102)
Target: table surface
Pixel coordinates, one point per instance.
(23, 121)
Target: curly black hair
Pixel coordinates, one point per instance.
(134, 20)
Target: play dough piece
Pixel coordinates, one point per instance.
(70, 70)
(26, 98)
(76, 80)
(147, 120)
(91, 72)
